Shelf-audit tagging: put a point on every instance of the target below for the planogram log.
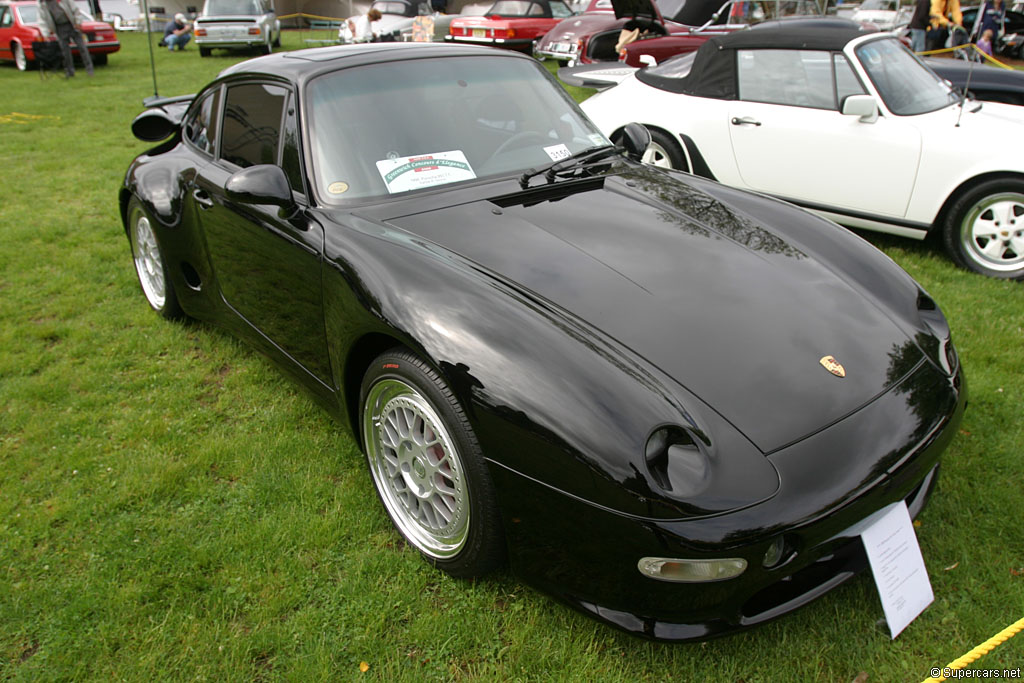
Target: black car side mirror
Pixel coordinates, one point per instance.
(635, 140)
(262, 184)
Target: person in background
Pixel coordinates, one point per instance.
(63, 19)
(362, 27)
(991, 16)
(945, 17)
(985, 42)
(177, 32)
(919, 24)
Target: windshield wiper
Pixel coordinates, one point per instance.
(577, 160)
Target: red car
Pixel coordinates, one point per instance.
(513, 24)
(19, 26)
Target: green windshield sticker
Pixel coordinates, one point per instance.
(424, 170)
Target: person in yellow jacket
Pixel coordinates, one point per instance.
(945, 16)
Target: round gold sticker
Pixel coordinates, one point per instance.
(338, 187)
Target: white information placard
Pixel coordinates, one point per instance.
(426, 170)
(897, 565)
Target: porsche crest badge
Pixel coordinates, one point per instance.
(833, 366)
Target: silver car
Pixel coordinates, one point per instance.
(237, 24)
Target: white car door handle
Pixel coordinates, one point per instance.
(745, 121)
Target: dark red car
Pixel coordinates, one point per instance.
(593, 35)
(19, 26)
(513, 24)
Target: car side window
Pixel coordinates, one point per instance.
(252, 124)
(799, 78)
(847, 82)
(6, 18)
(291, 153)
(535, 11)
(200, 127)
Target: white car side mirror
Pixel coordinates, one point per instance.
(863, 106)
(648, 60)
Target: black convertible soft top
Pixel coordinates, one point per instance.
(713, 73)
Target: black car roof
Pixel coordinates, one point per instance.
(713, 73)
(303, 64)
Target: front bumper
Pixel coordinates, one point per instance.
(586, 554)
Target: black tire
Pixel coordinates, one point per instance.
(100, 60)
(264, 49)
(277, 40)
(150, 263)
(205, 51)
(665, 152)
(20, 60)
(984, 229)
(427, 466)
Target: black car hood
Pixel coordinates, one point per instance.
(736, 313)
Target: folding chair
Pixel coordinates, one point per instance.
(48, 56)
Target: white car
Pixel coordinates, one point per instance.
(848, 124)
(237, 24)
(885, 14)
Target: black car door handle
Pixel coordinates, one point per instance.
(745, 121)
(202, 199)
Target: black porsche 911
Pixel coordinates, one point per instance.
(665, 401)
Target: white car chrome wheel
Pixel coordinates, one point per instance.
(992, 232)
(417, 468)
(148, 263)
(20, 60)
(656, 155)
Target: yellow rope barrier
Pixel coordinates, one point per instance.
(983, 649)
(988, 57)
(303, 15)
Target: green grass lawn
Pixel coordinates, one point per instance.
(172, 508)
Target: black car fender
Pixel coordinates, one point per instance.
(550, 398)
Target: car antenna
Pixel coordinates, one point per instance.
(963, 95)
(147, 101)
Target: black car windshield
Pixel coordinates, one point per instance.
(229, 7)
(907, 87)
(393, 127)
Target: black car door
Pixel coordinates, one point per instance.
(267, 265)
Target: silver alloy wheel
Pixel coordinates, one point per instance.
(417, 468)
(20, 60)
(656, 155)
(992, 232)
(148, 262)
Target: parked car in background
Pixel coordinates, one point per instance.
(668, 402)
(885, 15)
(121, 14)
(237, 24)
(433, 30)
(846, 123)
(19, 26)
(592, 36)
(397, 17)
(733, 16)
(512, 24)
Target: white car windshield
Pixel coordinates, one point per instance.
(884, 5)
(29, 14)
(394, 127)
(907, 87)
